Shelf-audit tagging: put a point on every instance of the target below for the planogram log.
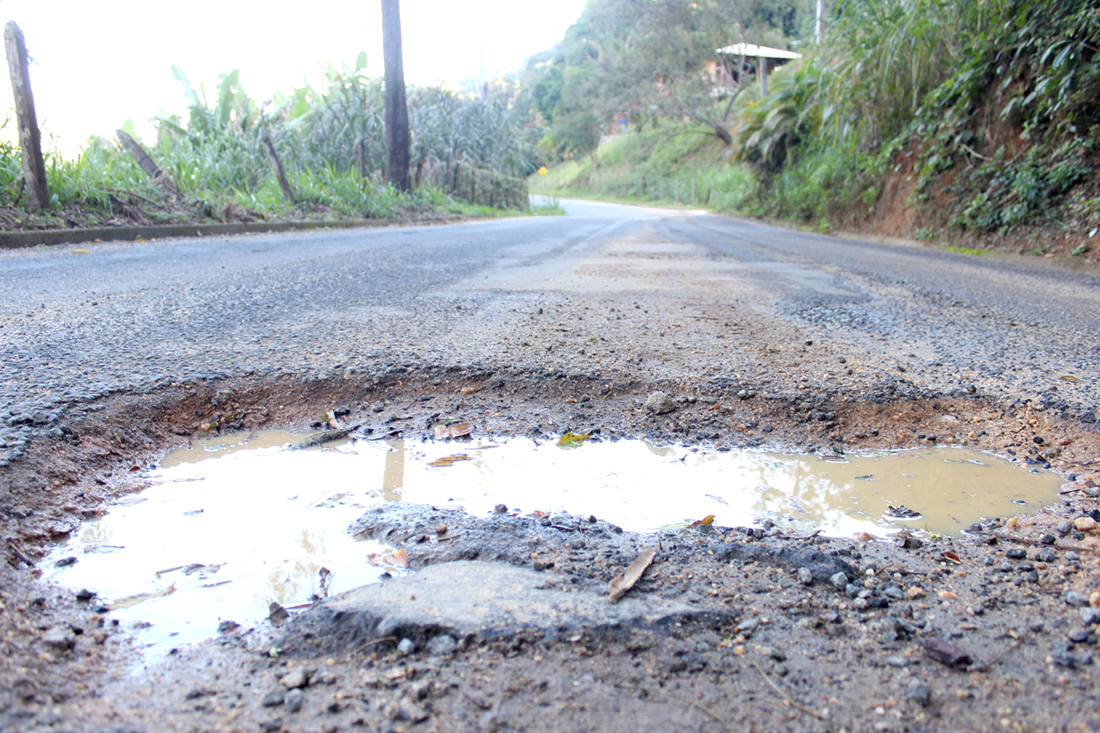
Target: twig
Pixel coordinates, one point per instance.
(790, 700)
(696, 705)
(448, 537)
(994, 660)
(20, 554)
(976, 154)
(373, 642)
(475, 701)
(809, 538)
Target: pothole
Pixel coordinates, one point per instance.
(234, 524)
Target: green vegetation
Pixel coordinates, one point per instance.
(672, 164)
(973, 118)
(328, 140)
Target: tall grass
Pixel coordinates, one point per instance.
(213, 153)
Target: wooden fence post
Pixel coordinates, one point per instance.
(30, 141)
(147, 164)
(273, 158)
(361, 154)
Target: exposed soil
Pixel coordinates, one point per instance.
(765, 652)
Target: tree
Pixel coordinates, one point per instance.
(397, 114)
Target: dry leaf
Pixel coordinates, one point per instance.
(619, 586)
(454, 430)
(399, 559)
(709, 519)
(1071, 379)
(450, 460)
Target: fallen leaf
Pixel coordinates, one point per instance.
(455, 430)
(84, 252)
(945, 652)
(619, 586)
(572, 440)
(949, 555)
(129, 601)
(399, 559)
(539, 514)
(450, 460)
(709, 519)
(1071, 379)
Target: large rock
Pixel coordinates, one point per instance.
(486, 600)
(660, 403)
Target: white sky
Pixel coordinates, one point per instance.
(97, 64)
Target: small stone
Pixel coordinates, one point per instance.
(915, 592)
(660, 403)
(1016, 553)
(442, 646)
(1084, 524)
(1089, 616)
(1047, 555)
(839, 581)
(294, 700)
(805, 577)
(294, 680)
(273, 698)
(409, 710)
(748, 625)
(1073, 598)
(59, 637)
(896, 660)
(1064, 527)
(406, 646)
(1078, 636)
(918, 692)
(501, 509)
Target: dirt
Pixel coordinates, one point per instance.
(948, 634)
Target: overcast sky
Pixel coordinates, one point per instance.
(97, 64)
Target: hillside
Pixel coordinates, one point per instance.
(974, 126)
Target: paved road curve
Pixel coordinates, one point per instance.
(613, 291)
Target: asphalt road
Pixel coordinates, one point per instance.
(607, 291)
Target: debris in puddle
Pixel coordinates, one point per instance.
(133, 600)
(399, 559)
(450, 460)
(325, 574)
(709, 519)
(901, 512)
(621, 585)
(325, 436)
(572, 440)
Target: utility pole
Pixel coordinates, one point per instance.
(397, 113)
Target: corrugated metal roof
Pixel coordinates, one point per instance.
(751, 50)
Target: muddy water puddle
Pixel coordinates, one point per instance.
(232, 525)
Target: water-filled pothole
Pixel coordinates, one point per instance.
(215, 540)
